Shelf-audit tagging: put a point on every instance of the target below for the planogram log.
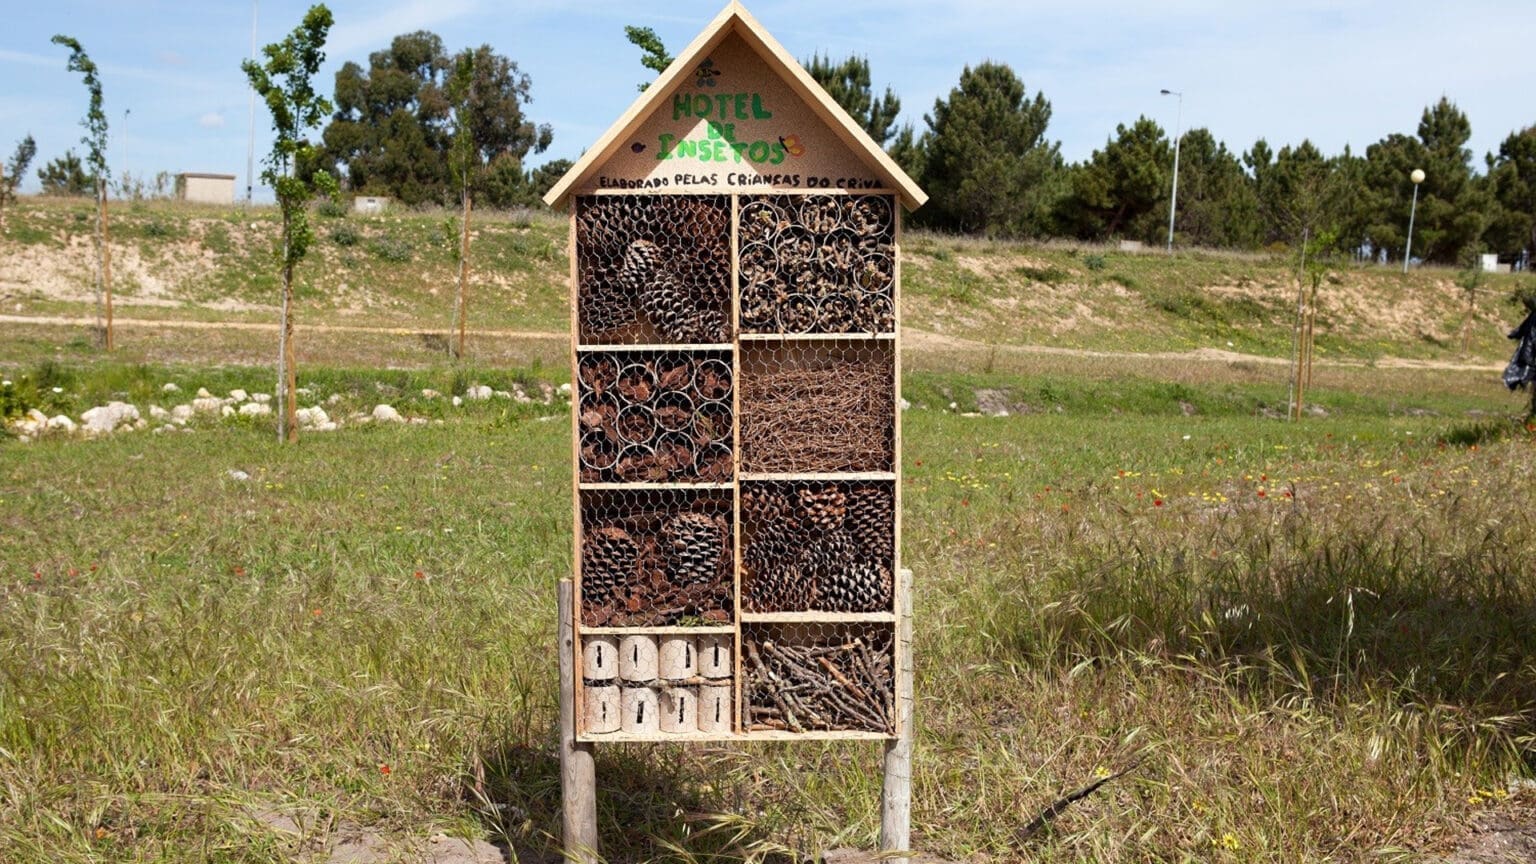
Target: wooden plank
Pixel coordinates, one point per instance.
(658, 631)
(620, 347)
(578, 774)
(817, 476)
(817, 617)
(641, 487)
(736, 664)
(896, 788)
(759, 735)
(816, 337)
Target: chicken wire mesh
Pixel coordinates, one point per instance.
(655, 417)
(653, 269)
(820, 406)
(653, 557)
(817, 264)
(815, 546)
(818, 678)
(674, 398)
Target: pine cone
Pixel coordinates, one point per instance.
(608, 563)
(871, 521)
(641, 261)
(677, 315)
(824, 507)
(776, 587)
(858, 586)
(695, 547)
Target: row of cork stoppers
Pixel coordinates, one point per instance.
(643, 658)
(645, 684)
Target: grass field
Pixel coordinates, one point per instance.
(1313, 640)
(1306, 641)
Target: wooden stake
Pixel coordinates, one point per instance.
(896, 794)
(578, 775)
(463, 274)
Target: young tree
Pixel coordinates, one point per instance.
(1512, 178)
(462, 160)
(989, 166)
(848, 83)
(12, 172)
(653, 54)
(65, 176)
(95, 140)
(284, 83)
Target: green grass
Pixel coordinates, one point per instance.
(1314, 636)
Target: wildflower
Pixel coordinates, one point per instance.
(384, 768)
(1261, 493)
(315, 612)
(101, 833)
(1227, 841)
(1157, 502)
(420, 575)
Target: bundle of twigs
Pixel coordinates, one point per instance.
(847, 686)
(839, 416)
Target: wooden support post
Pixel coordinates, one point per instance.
(896, 796)
(578, 775)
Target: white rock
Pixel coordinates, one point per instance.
(566, 388)
(170, 387)
(905, 405)
(502, 394)
(309, 417)
(418, 421)
(207, 405)
(457, 402)
(202, 393)
(334, 398)
(5, 383)
(429, 393)
(238, 395)
(181, 414)
(547, 393)
(263, 398)
(158, 413)
(304, 391)
(255, 409)
(104, 419)
(39, 417)
(57, 389)
(137, 424)
(237, 474)
(61, 423)
(387, 414)
(478, 393)
(226, 410)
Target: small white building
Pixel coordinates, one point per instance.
(205, 188)
(370, 205)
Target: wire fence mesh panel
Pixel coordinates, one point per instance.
(648, 416)
(818, 406)
(806, 678)
(656, 557)
(817, 264)
(736, 465)
(653, 269)
(817, 546)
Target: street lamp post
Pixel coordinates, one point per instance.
(1417, 177)
(1178, 127)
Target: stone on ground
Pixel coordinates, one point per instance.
(387, 414)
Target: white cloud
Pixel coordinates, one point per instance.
(211, 120)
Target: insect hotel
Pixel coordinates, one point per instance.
(735, 278)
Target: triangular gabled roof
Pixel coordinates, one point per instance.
(734, 19)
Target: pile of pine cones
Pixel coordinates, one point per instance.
(653, 268)
(817, 546)
(648, 417)
(652, 568)
(817, 264)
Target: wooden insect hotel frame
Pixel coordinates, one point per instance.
(736, 356)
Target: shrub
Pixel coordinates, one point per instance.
(392, 249)
(345, 235)
(332, 209)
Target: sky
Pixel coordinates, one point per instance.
(1333, 71)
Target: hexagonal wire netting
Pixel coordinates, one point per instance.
(715, 602)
